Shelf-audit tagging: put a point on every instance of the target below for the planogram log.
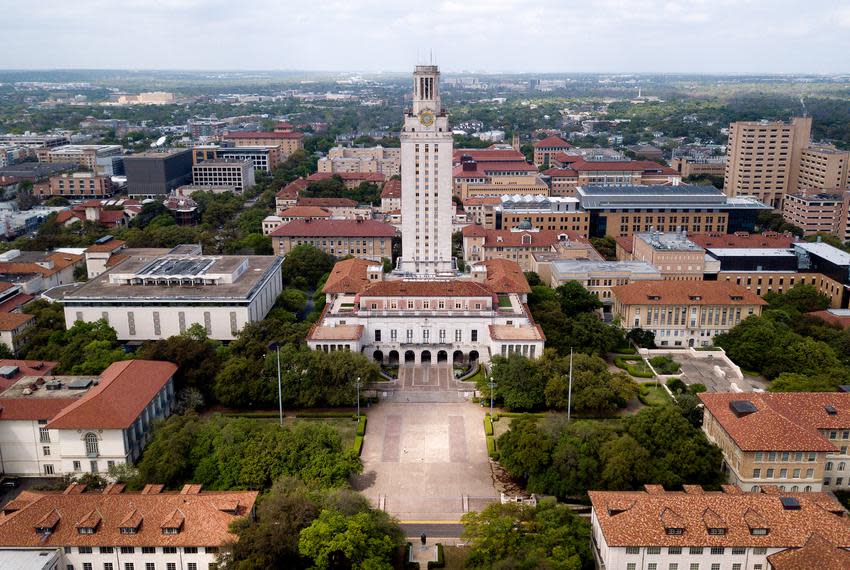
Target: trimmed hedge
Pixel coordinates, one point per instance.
(664, 365)
(408, 565)
(361, 426)
(491, 447)
(488, 425)
(520, 414)
(634, 365)
(303, 415)
(441, 559)
(358, 444)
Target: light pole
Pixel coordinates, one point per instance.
(357, 384)
(276, 346)
(492, 385)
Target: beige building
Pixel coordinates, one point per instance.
(75, 186)
(545, 149)
(236, 174)
(366, 239)
(763, 282)
(675, 256)
(391, 197)
(818, 211)
(797, 441)
(473, 178)
(93, 157)
(684, 313)
(387, 161)
(517, 244)
(288, 141)
(351, 179)
(763, 157)
(823, 167)
(147, 98)
(686, 166)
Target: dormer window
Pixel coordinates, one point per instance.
(695, 297)
(737, 298)
(717, 531)
(89, 523)
(174, 523)
(675, 531)
(758, 531)
(85, 530)
(129, 530)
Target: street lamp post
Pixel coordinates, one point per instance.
(492, 390)
(276, 346)
(357, 384)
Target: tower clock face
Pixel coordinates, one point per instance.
(426, 118)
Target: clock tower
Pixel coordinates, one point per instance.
(426, 182)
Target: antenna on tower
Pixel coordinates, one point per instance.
(431, 56)
(803, 104)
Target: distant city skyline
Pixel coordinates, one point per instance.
(547, 36)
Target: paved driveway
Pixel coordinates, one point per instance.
(426, 461)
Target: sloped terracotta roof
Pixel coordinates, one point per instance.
(482, 200)
(392, 189)
(817, 554)
(401, 288)
(305, 212)
(685, 293)
(552, 142)
(263, 135)
(60, 262)
(505, 276)
(327, 202)
(782, 421)
(646, 166)
(106, 247)
(487, 154)
(293, 189)
(13, 303)
(561, 173)
(376, 177)
(634, 518)
(11, 321)
(348, 276)
(202, 522)
(125, 389)
(483, 169)
(511, 238)
(842, 321)
(334, 228)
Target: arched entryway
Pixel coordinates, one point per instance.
(473, 357)
(426, 357)
(378, 356)
(409, 356)
(442, 356)
(457, 357)
(393, 358)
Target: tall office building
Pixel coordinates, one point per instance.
(763, 158)
(822, 167)
(426, 180)
(154, 174)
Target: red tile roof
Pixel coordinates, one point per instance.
(327, 202)
(579, 164)
(481, 200)
(486, 168)
(27, 408)
(782, 421)
(392, 189)
(375, 177)
(743, 240)
(304, 212)
(638, 518)
(242, 135)
(106, 247)
(25, 368)
(14, 303)
(626, 242)
(505, 276)
(11, 321)
(66, 215)
(60, 262)
(348, 276)
(334, 228)
(685, 293)
(561, 173)
(842, 321)
(552, 142)
(487, 154)
(204, 521)
(454, 288)
(124, 391)
(817, 553)
(293, 189)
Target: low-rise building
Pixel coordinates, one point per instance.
(675, 256)
(616, 172)
(154, 174)
(12, 325)
(708, 530)
(63, 425)
(34, 271)
(477, 178)
(684, 313)
(288, 142)
(340, 208)
(366, 239)
(819, 211)
(111, 529)
(184, 210)
(264, 158)
(481, 210)
(351, 179)
(463, 320)
(12, 370)
(708, 166)
(75, 186)
(288, 195)
(546, 148)
(271, 223)
(155, 296)
(387, 161)
(12, 298)
(95, 158)
(542, 212)
(518, 244)
(391, 196)
(796, 440)
(236, 174)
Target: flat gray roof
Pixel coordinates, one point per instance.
(826, 251)
(100, 289)
(664, 196)
(592, 266)
(750, 252)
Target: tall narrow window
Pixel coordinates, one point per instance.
(91, 444)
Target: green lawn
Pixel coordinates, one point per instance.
(654, 395)
(455, 556)
(504, 301)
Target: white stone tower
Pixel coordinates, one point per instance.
(426, 181)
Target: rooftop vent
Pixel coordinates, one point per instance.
(53, 385)
(742, 408)
(830, 409)
(104, 239)
(80, 384)
(790, 503)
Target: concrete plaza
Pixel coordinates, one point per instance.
(426, 461)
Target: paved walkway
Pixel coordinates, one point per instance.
(426, 461)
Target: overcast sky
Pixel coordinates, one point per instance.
(762, 36)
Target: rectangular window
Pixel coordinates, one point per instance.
(87, 566)
(717, 550)
(106, 549)
(474, 336)
(150, 566)
(107, 566)
(190, 550)
(149, 550)
(695, 550)
(653, 550)
(127, 550)
(632, 550)
(128, 566)
(739, 550)
(674, 550)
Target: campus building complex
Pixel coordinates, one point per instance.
(425, 311)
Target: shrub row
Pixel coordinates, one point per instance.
(491, 447)
(488, 425)
(361, 426)
(358, 444)
(634, 365)
(408, 565)
(441, 559)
